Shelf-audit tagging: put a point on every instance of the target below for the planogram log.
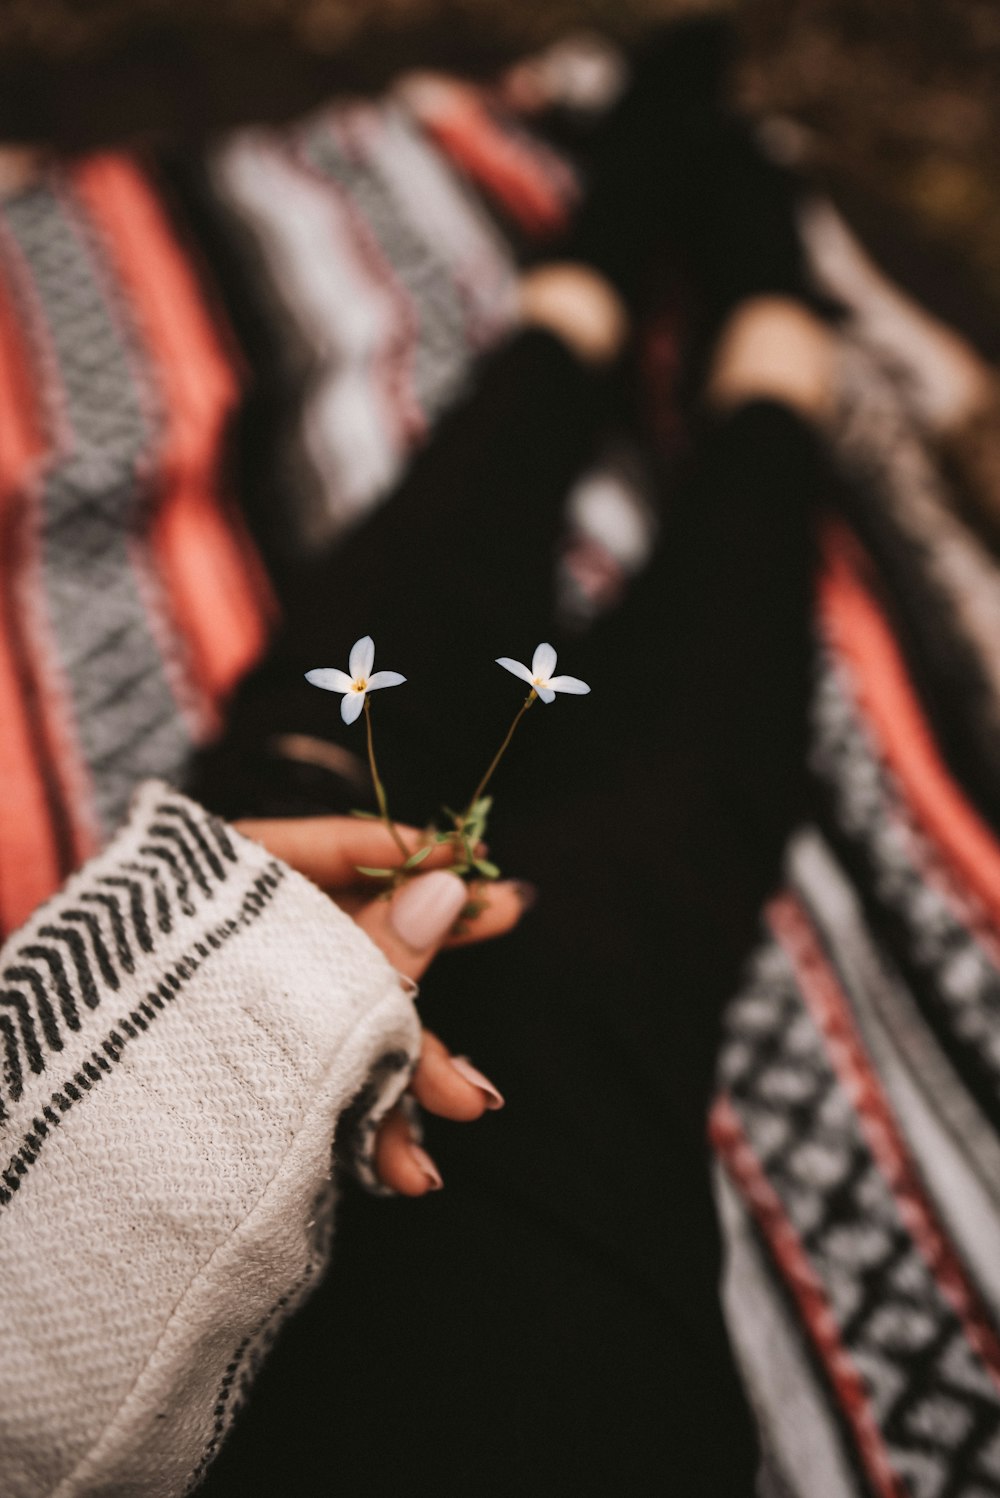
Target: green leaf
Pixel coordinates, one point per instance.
(459, 868)
(481, 808)
(418, 857)
(487, 869)
(374, 873)
(367, 816)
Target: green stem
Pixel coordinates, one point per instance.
(383, 804)
(477, 793)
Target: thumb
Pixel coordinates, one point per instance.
(411, 926)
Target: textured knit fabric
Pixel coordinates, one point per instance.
(182, 1027)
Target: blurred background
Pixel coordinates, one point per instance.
(895, 105)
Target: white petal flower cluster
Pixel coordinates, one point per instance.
(543, 663)
(357, 681)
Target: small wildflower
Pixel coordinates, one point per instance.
(357, 681)
(540, 677)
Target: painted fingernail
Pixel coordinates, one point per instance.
(526, 893)
(427, 1167)
(465, 1068)
(425, 909)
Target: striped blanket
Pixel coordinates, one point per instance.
(856, 1124)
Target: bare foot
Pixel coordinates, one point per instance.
(948, 380)
(772, 348)
(19, 167)
(579, 306)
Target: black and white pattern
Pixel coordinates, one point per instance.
(382, 271)
(952, 970)
(189, 1023)
(91, 946)
(858, 1142)
(384, 169)
(104, 633)
(933, 1403)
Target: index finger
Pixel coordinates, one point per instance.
(329, 850)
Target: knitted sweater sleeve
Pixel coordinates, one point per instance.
(181, 1028)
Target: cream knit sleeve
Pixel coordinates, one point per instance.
(181, 1028)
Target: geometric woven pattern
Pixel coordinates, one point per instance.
(92, 944)
(104, 626)
(364, 152)
(386, 278)
(859, 1223)
(911, 1362)
(125, 917)
(938, 933)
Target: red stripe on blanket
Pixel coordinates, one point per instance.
(748, 1175)
(828, 1005)
(525, 179)
(29, 858)
(211, 574)
(860, 633)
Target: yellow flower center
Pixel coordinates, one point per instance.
(360, 685)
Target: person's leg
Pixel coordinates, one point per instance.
(549, 1323)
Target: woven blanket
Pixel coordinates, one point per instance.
(856, 1124)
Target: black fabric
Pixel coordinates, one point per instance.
(453, 570)
(549, 1324)
(680, 193)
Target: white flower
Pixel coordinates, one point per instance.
(543, 663)
(357, 680)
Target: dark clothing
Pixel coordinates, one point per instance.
(550, 1323)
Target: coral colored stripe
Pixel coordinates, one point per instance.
(821, 989)
(511, 172)
(860, 633)
(29, 856)
(210, 571)
(817, 1315)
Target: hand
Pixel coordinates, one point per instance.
(410, 929)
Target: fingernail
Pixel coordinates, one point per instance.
(426, 908)
(427, 1167)
(465, 1068)
(526, 893)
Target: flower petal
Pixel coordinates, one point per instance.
(385, 679)
(351, 706)
(543, 662)
(569, 684)
(362, 657)
(330, 679)
(546, 694)
(514, 666)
